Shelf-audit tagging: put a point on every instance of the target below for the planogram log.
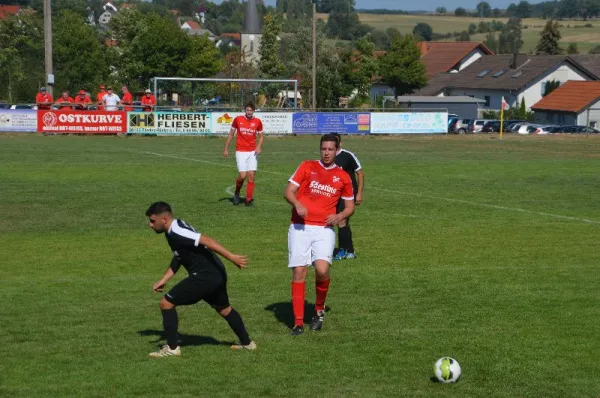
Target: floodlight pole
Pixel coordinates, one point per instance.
(48, 45)
(314, 55)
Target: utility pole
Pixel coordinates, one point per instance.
(48, 46)
(314, 55)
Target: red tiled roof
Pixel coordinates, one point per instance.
(127, 5)
(573, 96)
(110, 43)
(442, 56)
(233, 36)
(7, 11)
(193, 25)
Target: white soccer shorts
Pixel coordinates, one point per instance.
(308, 243)
(246, 161)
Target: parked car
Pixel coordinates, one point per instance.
(540, 129)
(523, 128)
(492, 126)
(4, 105)
(23, 106)
(461, 126)
(574, 130)
(452, 124)
(476, 125)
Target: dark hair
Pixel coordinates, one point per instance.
(250, 104)
(158, 208)
(331, 138)
(337, 136)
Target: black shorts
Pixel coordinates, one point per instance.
(341, 205)
(191, 290)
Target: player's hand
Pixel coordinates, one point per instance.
(225, 153)
(239, 260)
(334, 219)
(359, 199)
(158, 287)
(301, 210)
(258, 150)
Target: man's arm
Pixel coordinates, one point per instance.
(334, 219)
(290, 196)
(239, 260)
(360, 177)
(261, 138)
(228, 141)
(171, 270)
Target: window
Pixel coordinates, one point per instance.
(251, 46)
(593, 124)
(498, 74)
(518, 74)
(561, 119)
(483, 73)
(544, 89)
(487, 100)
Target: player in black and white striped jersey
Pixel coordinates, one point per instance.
(207, 278)
(351, 165)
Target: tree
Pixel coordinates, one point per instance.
(270, 64)
(401, 66)
(491, 42)
(472, 29)
(549, 38)
(522, 115)
(464, 36)
(510, 40)
(572, 49)
(483, 9)
(550, 86)
(568, 9)
(364, 66)
(423, 31)
(441, 10)
(343, 20)
(595, 50)
(460, 12)
(79, 7)
(523, 10)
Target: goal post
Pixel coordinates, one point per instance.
(205, 93)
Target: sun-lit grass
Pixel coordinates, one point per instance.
(473, 247)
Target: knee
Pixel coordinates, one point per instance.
(165, 304)
(299, 274)
(224, 311)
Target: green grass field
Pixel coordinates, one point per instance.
(469, 246)
(572, 31)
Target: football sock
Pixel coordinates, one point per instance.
(249, 191)
(322, 287)
(237, 325)
(238, 185)
(345, 239)
(170, 326)
(298, 302)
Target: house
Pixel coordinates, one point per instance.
(109, 10)
(515, 77)
(573, 103)
(193, 28)
(251, 33)
(229, 39)
(466, 107)
(8, 11)
(450, 56)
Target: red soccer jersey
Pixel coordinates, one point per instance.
(45, 99)
(319, 190)
(127, 100)
(63, 100)
(148, 101)
(246, 133)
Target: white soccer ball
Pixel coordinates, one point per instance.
(447, 370)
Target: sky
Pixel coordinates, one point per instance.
(426, 5)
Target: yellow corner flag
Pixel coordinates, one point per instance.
(504, 105)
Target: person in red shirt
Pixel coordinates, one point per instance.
(100, 97)
(148, 101)
(43, 100)
(314, 191)
(246, 151)
(127, 99)
(82, 100)
(64, 101)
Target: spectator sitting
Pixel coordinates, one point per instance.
(148, 101)
(111, 100)
(43, 100)
(82, 100)
(100, 97)
(64, 101)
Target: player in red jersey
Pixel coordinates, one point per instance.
(246, 150)
(314, 191)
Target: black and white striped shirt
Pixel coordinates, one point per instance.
(197, 259)
(350, 164)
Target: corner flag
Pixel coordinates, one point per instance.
(502, 107)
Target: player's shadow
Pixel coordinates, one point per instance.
(184, 339)
(230, 199)
(285, 314)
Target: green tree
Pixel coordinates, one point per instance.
(270, 64)
(464, 36)
(202, 58)
(401, 66)
(510, 40)
(549, 40)
(460, 12)
(364, 66)
(491, 42)
(522, 110)
(79, 7)
(483, 9)
(550, 86)
(472, 29)
(572, 49)
(523, 9)
(441, 10)
(423, 31)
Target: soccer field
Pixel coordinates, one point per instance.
(482, 249)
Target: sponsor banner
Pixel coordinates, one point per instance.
(409, 122)
(274, 123)
(322, 123)
(87, 122)
(169, 123)
(18, 120)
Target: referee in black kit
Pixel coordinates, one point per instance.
(207, 278)
(350, 164)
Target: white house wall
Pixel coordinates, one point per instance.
(563, 73)
(470, 58)
(590, 116)
(495, 96)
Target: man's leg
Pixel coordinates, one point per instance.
(340, 252)
(345, 238)
(239, 183)
(250, 188)
(170, 325)
(322, 281)
(236, 324)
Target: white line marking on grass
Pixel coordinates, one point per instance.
(488, 205)
(466, 202)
